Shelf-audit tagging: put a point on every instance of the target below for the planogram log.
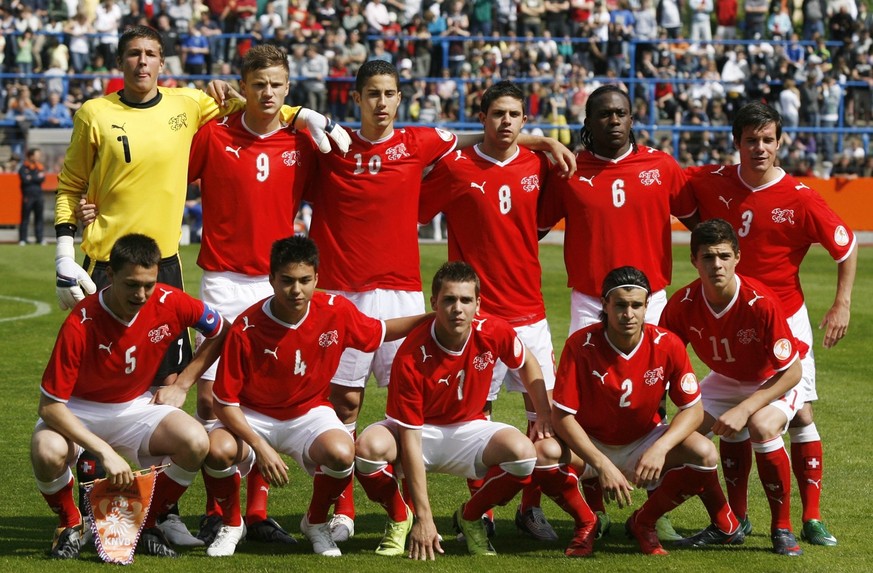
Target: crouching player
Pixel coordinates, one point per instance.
(439, 385)
(610, 382)
(271, 393)
(736, 326)
(95, 392)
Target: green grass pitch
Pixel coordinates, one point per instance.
(843, 414)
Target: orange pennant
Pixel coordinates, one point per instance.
(118, 515)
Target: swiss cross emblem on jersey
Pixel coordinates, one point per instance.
(177, 122)
(328, 338)
(747, 336)
(783, 215)
(530, 183)
(159, 333)
(653, 376)
(397, 152)
(650, 177)
(482, 361)
(291, 158)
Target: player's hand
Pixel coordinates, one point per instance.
(118, 471)
(322, 130)
(731, 422)
(615, 485)
(424, 541)
(221, 91)
(649, 467)
(86, 212)
(836, 323)
(272, 466)
(72, 282)
(541, 429)
(171, 395)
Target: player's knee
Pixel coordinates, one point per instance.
(549, 451)
(48, 452)
(338, 451)
(204, 407)
(763, 427)
(223, 450)
(804, 417)
(704, 451)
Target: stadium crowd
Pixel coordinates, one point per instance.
(812, 59)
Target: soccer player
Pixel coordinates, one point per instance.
(619, 370)
(252, 173)
(365, 221)
(488, 194)
(777, 218)
(616, 181)
(271, 393)
(737, 328)
(95, 392)
(440, 382)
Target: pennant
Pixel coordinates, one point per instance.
(118, 515)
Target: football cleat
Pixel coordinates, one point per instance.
(319, 535)
(784, 543)
(152, 541)
(533, 522)
(490, 525)
(665, 530)
(746, 525)
(224, 544)
(394, 541)
(268, 531)
(604, 524)
(209, 526)
(342, 527)
(815, 532)
(177, 533)
(474, 534)
(646, 536)
(67, 542)
(582, 544)
(712, 535)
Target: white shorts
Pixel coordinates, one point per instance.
(356, 366)
(127, 427)
(456, 449)
(626, 457)
(294, 437)
(721, 393)
(230, 294)
(537, 338)
(585, 310)
(802, 330)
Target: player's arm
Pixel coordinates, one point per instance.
(58, 417)
(272, 466)
(558, 152)
(532, 377)
(737, 417)
(397, 328)
(207, 353)
(615, 485)
(424, 538)
(651, 463)
(836, 319)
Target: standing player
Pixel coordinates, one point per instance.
(777, 218)
(620, 369)
(365, 221)
(435, 423)
(488, 194)
(252, 172)
(272, 393)
(736, 326)
(616, 182)
(95, 392)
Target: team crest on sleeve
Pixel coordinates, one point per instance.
(747, 336)
(160, 333)
(291, 158)
(530, 183)
(397, 152)
(328, 338)
(689, 383)
(841, 236)
(650, 177)
(783, 215)
(782, 349)
(482, 361)
(444, 135)
(653, 376)
(177, 122)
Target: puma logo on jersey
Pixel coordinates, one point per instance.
(330, 299)
(164, 296)
(424, 354)
(478, 323)
(754, 300)
(650, 177)
(588, 340)
(397, 152)
(459, 154)
(230, 149)
(599, 375)
(718, 171)
(106, 347)
(480, 187)
(223, 122)
(699, 331)
(84, 316)
(727, 202)
(687, 296)
(589, 180)
(273, 353)
(444, 380)
(800, 186)
(783, 215)
(659, 335)
(246, 324)
(121, 127)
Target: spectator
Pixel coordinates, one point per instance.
(756, 16)
(670, 18)
(789, 102)
(779, 24)
(24, 56)
(32, 174)
(21, 107)
(555, 16)
(77, 31)
(701, 27)
(376, 15)
(181, 14)
(530, 17)
(726, 19)
(195, 49)
(507, 16)
(170, 41)
(814, 12)
(832, 95)
(270, 20)
(106, 23)
(315, 69)
(54, 113)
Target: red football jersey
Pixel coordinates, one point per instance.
(614, 396)
(491, 210)
(776, 224)
(251, 186)
(283, 370)
(433, 385)
(748, 341)
(100, 358)
(365, 209)
(618, 213)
